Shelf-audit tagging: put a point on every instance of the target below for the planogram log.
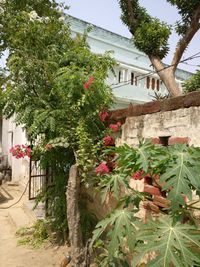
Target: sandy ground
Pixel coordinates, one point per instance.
(12, 255)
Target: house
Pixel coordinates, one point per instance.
(134, 81)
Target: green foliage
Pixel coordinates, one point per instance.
(111, 184)
(186, 10)
(182, 174)
(35, 236)
(192, 84)
(47, 89)
(150, 34)
(121, 231)
(169, 240)
(152, 38)
(172, 243)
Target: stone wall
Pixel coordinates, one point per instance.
(179, 125)
(176, 120)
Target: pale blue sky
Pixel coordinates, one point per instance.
(106, 14)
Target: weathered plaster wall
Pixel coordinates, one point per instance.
(177, 118)
(176, 123)
(11, 136)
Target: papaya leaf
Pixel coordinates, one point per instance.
(172, 243)
(181, 175)
(122, 231)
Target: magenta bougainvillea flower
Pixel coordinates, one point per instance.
(87, 84)
(103, 115)
(102, 169)
(20, 151)
(115, 127)
(108, 141)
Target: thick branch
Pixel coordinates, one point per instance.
(185, 40)
(132, 19)
(166, 74)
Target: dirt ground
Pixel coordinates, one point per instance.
(12, 255)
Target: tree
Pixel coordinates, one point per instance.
(151, 35)
(56, 87)
(192, 84)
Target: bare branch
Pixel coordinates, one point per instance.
(185, 40)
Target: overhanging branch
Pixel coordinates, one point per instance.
(185, 40)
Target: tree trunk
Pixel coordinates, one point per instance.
(79, 253)
(169, 81)
(166, 75)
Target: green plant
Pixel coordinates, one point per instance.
(169, 239)
(34, 236)
(193, 83)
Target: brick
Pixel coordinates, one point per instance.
(148, 205)
(161, 202)
(156, 141)
(155, 191)
(178, 140)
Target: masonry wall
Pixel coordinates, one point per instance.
(176, 118)
(182, 125)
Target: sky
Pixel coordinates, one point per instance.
(106, 14)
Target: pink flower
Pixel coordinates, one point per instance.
(87, 84)
(137, 175)
(20, 151)
(102, 169)
(103, 115)
(115, 127)
(108, 141)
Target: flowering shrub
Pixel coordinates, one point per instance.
(87, 84)
(115, 127)
(20, 151)
(108, 141)
(102, 169)
(103, 115)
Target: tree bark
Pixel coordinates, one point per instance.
(167, 76)
(73, 218)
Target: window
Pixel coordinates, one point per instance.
(119, 76)
(148, 82)
(158, 85)
(153, 84)
(132, 78)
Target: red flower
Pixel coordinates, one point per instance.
(102, 169)
(103, 115)
(108, 141)
(137, 175)
(115, 127)
(87, 84)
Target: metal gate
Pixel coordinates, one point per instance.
(38, 179)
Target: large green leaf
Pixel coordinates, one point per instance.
(112, 184)
(121, 231)
(182, 174)
(175, 244)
